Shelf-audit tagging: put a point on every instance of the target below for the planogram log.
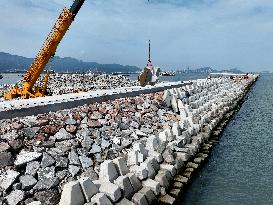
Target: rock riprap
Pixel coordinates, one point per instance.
(124, 151)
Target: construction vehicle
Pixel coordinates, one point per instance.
(150, 73)
(44, 55)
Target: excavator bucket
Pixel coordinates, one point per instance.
(145, 77)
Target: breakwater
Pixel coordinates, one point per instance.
(130, 149)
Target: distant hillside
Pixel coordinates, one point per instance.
(10, 62)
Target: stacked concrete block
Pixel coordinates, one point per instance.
(149, 194)
(140, 199)
(72, 194)
(121, 166)
(111, 190)
(153, 185)
(135, 182)
(125, 185)
(149, 166)
(100, 199)
(140, 171)
(89, 189)
(108, 171)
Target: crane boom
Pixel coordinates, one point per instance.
(46, 52)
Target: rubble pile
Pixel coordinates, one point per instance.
(70, 83)
(51, 149)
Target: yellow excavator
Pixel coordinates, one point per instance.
(44, 55)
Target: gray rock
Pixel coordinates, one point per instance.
(95, 115)
(10, 135)
(62, 174)
(85, 161)
(83, 133)
(123, 126)
(105, 144)
(48, 197)
(15, 145)
(125, 143)
(82, 152)
(61, 162)
(46, 184)
(74, 170)
(32, 168)
(15, 197)
(140, 133)
(70, 121)
(30, 132)
(4, 146)
(27, 182)
(87, 142)
(89, 172)
(54, 152)
(45, 173)
(46, 144)
(9, 178)
(95, 149)
(146, 130)
(73, 158)
(62, 135)
(47, 160)
(134, 124)
(24, 157)
(6, 159)
(63, 146)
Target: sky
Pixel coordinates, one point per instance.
(222, 34)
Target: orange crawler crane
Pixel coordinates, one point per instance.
(47, 51)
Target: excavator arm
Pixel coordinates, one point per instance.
(46, 52)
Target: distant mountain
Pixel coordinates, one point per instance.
(12, 63)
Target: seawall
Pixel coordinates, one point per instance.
(135, 150)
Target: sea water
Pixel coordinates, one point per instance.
(240, 168)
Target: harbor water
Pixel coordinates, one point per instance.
(240, 168)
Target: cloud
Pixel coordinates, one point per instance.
(218, 33)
